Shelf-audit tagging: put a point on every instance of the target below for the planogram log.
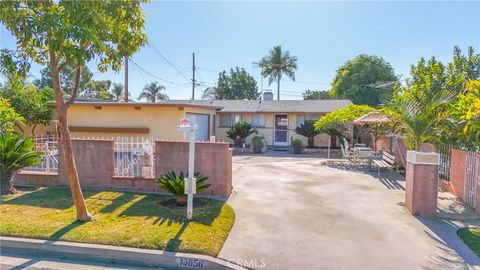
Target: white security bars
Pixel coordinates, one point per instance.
(48, 145)
(134, 157)
(445, 152)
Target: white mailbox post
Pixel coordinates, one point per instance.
(190, 186)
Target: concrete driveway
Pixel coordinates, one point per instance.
(297, 212)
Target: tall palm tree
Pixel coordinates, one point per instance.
(276, 64)
(153, 91)
(117, 91)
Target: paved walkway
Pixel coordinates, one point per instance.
(298, 213)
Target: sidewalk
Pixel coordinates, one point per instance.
(105, 253)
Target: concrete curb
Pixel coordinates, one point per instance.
(105, 253)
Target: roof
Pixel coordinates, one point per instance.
(306, 106)
(303, 106)
(163, 103)
(374, 117)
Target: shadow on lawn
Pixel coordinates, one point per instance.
(151, 206)
(46, 197)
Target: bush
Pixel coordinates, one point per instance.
(175, 184)
(239, 132)
(257, 144)
(297, 145)
(15, 153)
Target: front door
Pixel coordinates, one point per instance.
(280, 131)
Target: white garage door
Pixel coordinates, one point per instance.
(202, 121)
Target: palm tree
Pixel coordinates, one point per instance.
(151, 92)
(15, 153)
(418, 120)
(276, 64)
(308, 130)
(117, 91)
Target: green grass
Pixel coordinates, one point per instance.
(122, 219)
(471, 237)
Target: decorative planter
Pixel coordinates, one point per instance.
(297, 149)
(421, 178)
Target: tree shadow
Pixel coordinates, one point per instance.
(205, 211)
(51, 197)
(390, 180)
(452, 252)
(58, 234)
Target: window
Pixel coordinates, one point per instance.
(229, 119)
(258, 120)
(311, 117)
(300, 119)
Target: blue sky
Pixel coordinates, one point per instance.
(323, 35)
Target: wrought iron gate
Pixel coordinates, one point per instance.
(472, 177)
(134, 157)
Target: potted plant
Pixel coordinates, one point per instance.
(175, 184)
(297, 145)
(239, 132)
(15, 153)
(257, 144)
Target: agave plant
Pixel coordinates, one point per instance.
(239, 132)
(308, 130)
(175, 184)
(15, 153)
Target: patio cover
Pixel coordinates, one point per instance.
(370, 118)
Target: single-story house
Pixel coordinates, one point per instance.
(276, 120)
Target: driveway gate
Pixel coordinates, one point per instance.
(472, 177)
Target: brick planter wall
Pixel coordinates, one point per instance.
(95, 166)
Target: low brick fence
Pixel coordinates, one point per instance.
(95, 165)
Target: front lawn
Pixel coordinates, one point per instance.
(123, 219)
(471, 237)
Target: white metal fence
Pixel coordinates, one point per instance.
(472, 177)
(134, 157)
(48, 145)
(445, 152)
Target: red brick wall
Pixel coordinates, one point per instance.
(457, 173)
(213, 160)
(95, 166)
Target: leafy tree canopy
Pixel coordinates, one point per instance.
(30, 102)
(316, 94)
(237, 84)
(67, 78)
(338, 123)
(366, 79)
(9, 118)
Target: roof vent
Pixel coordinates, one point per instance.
(268, 96)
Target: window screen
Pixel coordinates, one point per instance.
(258, 120)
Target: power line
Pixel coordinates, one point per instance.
(155, 50)
(155, 76)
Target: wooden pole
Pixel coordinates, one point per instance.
(126, 79)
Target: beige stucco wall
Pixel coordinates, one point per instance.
(267, 131)
(161, 121)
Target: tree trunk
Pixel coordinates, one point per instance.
(310, 142)
(278, 88)
(6, 184)
(66, 144)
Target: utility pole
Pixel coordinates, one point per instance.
(193, 78)
(126, 79)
